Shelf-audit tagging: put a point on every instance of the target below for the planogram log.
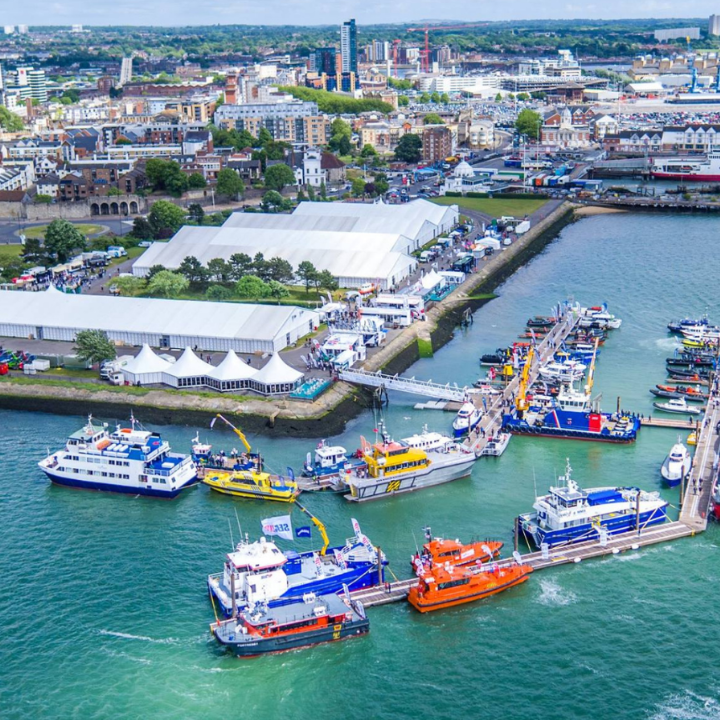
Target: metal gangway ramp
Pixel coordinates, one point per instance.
(427, 388)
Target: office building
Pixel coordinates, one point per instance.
(9, 29)
(714, 25)
(38, 85)
(377, 51)
(126, 70)
(22, 29)
(348, 46)
(437, 144)
(76, 28)
(324, 60)
(677, 34)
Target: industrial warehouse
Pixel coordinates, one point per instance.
(357, 243)
(215, 326)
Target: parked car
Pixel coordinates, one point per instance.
(145, 244)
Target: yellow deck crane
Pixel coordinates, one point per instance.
(521, 403)
(239, 433)
(591, 371)
(318, 525)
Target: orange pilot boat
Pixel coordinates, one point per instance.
(437, 551)
(445, 586)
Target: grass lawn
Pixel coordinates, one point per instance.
(132, 253)
(495, 207)
(38, 231)
(9, 253)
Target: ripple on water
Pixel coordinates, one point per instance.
(688, 706)
(551, 593)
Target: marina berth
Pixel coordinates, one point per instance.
(312, 620)
(678, 406)
(568, 514)
(128, 460)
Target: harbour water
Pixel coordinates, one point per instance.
(103, 604)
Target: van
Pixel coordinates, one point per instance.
(427, 256)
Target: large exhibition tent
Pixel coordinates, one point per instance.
(276, 378)
(231, 374)
(217, 326)
(188, 371)
(146, 368)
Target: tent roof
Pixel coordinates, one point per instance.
(277, 372)
(431, 279)
(146, 361)
(232, 368)
(189, 365)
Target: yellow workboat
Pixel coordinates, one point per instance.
(252, 484)
(247, 477)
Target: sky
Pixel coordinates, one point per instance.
(302, 12)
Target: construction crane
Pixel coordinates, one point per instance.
(521, 402)
(425, 54)
(591, 371)
(318, 525)
(242, 437)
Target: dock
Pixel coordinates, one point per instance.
(496, 405)
(695, 499)
(675, 423)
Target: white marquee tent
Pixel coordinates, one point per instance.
(276, 378)
(188, 371)
(231, 374)
(146, 368)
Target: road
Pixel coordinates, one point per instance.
(10, 230)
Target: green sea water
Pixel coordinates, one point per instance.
(103, 606)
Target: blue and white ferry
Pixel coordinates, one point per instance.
(569, 514)
(259, 572)
(128, 460)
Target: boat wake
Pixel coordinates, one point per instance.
(552, 594)
(688, 706)
(667, 343)
(143, 638)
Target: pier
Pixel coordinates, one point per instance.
(695, 499)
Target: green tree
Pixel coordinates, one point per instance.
(113, 191)
(432, 119)
(409, 148)
(403, 101)
(194, 272)
(444, 99)
(218, 293)
(167, 284)
(32, 251)
(219, 270)
(326, 280)
(260, 266)
(264, 137)
(358, 187)
(368, 151)
(339, 127)
(307, 272)
(301, 197)
(166, 175)
(41, 199)
(381, 183)
(229, 183)
(498, 98)
(277, 290)
(523, 96)
(340, 144)
(240, 265)
(129, 285)
(529, 123)
(165, 217)
(62, 239)
(10, 121)
(196, 213)
(142, 229)
(312, 197)
(280, 270)
(93, 346)
(276, 150)
(154, 270)
(196, 181)
(252, 286)
(323, 191)
(278, 176)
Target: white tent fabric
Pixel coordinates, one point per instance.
(188, 371)
(430, 280)
(231, 374)
(276, 377)
(145, 368)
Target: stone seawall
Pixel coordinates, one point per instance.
(327, 415)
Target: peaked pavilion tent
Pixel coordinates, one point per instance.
(146, 368)
(231, 374)
(276, 378)
(188, 371)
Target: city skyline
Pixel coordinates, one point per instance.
(135, 13)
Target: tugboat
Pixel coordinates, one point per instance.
(394, 467)
(437, 551)
(569, 514)
(128, 460)
(444, 586)
(261, 629)
(259, 572)
(676, 465)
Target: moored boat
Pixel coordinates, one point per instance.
(676, 465)
(439, 551)
(496, 444)
(678, 406)
(444, 586)
(466, 420)
(569, 514)
(128, 460)
(313, 620)
(255, 484)
(328, 461)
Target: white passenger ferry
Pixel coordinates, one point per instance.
(128, 460)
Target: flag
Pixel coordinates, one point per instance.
(281, 525)
(355, 526)
(340, 559)
(305, 531)
(290, 473)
